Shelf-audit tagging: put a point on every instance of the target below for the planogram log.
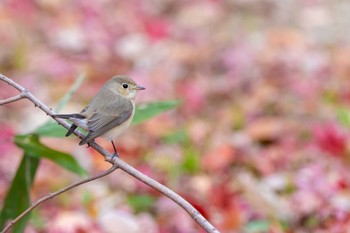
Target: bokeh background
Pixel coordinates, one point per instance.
(260, 142)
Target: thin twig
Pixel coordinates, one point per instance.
(52, 195)
(205, 224)
(11, 99)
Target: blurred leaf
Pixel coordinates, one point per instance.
(87, 198)
(257, 226)
(31, 145)
(51, 129)
(218, 158)
(284, 225)
(312, 221)
(37, 220)
(344, 116)
(238, 118)
(141, 202)
(70, 92)
(148, 110)
(17, 198)
(179, 136)
(330, 96)
(20, 55)
(191, 160)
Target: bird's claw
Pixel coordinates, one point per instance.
(116, 154)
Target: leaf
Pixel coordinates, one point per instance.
(176, 137)
(17, 198)
(141, 203)
(70, 92)
(149, 110)
(312, 222)
(31, 145)
(51, 129)
(191, 160)
(37, 220)
(257, 226)
(344, 116)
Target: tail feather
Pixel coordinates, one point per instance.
(71, 130)
(67, 116)
(85, 140)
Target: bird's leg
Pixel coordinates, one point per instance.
(115, 150)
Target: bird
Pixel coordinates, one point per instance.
(109, 113)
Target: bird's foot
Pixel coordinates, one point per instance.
(115, 154)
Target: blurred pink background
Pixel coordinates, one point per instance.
(259, 144)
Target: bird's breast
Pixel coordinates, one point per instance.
(118, 130)
(115, 132)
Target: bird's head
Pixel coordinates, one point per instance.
(126, 86)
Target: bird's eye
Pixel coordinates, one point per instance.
(125, 85)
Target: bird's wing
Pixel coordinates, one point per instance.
(107, 117)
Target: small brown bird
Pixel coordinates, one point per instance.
(109, 113)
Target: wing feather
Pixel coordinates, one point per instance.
(106, 117)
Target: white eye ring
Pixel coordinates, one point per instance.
(125, 86)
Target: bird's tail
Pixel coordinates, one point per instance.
(67, 116)
(71, 130)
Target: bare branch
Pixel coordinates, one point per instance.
(207, 226)
(12, 83)
(52, 195)
(11, 99)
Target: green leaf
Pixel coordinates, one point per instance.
(191, 160)
(17, 198)
(149, 110)
(258, 226)
(31, 145)
(344, 116)
(37, 220)
(312, 222)
(51, 129)
(178, 136)
(141, 203)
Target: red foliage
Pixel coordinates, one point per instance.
(331, 139)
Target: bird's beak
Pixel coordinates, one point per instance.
(139, 88)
